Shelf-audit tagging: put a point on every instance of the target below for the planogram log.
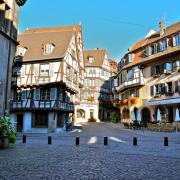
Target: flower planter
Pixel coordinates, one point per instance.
(157, 95)
(133, 100)
(4, 142)
(156, 75)
(167, 72)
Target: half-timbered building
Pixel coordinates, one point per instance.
(47, 76)
(96, 95)
(148, 78)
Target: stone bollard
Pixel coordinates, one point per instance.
(77, 141)
(135, 141)
(49, 140)
(105, 141)
(165, 141)
(24, 138)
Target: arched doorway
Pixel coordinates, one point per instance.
(145, 116)
(81, 113)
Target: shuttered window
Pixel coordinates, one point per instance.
(152, 90)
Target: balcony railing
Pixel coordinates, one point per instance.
(41, 105)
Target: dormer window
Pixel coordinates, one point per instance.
(21, 51)
(130, 57)
(90, 59)
(48, 49)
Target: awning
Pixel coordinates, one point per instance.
(163, 102)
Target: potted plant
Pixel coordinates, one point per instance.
(7, 132)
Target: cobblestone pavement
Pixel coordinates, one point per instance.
(92, 160)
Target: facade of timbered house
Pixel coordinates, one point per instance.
(47, 77)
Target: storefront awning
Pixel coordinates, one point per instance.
(163, 102)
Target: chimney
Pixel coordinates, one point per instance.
(162, 28)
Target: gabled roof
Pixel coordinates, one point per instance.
(97, 54)
(36, 41)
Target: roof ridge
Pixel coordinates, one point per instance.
(52, 29)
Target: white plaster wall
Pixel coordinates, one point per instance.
(87, 108)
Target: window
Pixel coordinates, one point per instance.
(134, 93)
(164, 44)
(2, 14)
(176, 86)
(149, 50)
(158, 70)
(130, 57)
(176, 65)
(169, 66)
(90, 59)
(169, 87)
(37, 94)
(44, 70)
(97, 84)
(68, 72)
(48, 48)
(176, 40)
(152, 90)
(4, 17)
(75, 77)
(130, 74)
(106, 62)
(45, 94)
(61, 96)
(53, 93)
(20, 95)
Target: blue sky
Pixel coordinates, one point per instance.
(112, 24)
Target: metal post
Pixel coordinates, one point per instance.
(24, 138)
(77, 141)
(135, 141)
(49, 140)
(165, 141)
(105, 141)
